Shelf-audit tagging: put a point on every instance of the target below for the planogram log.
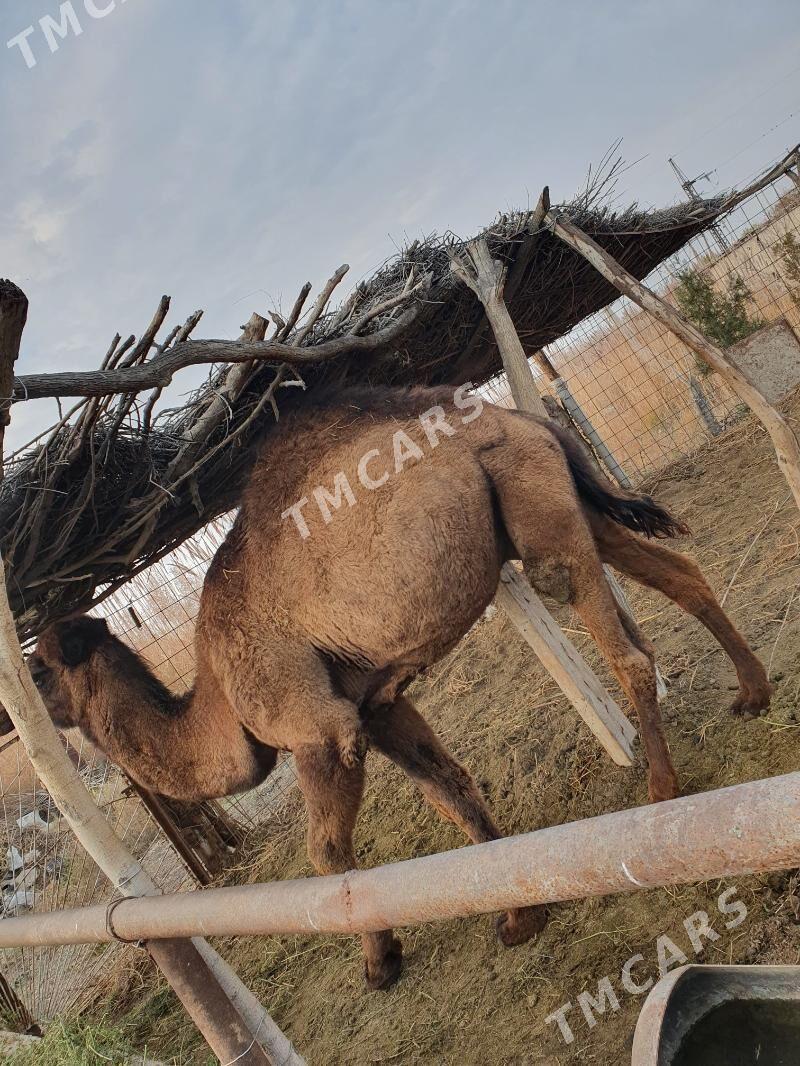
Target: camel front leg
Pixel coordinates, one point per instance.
(333, 791)
(401, 734)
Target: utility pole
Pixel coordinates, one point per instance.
(688, 186)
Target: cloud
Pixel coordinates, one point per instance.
(216, 151)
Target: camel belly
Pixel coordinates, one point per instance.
(402, 582)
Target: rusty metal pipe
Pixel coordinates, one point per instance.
(726, 833)
(207, 1003)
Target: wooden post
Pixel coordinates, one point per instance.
(14, 1012)
(13, 315)
(566, 666)
(190, 970)
(787, 449)
(485, 277)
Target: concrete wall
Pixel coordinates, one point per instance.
(771, 357)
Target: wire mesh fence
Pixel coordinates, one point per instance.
(633, 382)
(47, 869)
(622, 376)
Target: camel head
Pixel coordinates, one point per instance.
(65, 666)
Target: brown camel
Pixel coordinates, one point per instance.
(369, 540)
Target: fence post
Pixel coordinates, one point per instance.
(576, 412)
(704, 407)
(485, 277)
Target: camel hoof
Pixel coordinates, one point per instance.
(383, 975)
(521, 925)
(666, 788)
(752, 704)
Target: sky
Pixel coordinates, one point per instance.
(227, 152)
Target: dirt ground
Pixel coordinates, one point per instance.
(462, 997)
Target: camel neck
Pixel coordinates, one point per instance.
(187, 746)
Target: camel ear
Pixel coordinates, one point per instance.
(79, 637)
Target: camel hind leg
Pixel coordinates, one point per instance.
(550, 533)
(679, 577)
(401, 734)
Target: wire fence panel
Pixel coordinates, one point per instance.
(47, 869)
(640, 388)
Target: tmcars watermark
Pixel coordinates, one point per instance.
(57, 28)
(668, 954)
(371, 476)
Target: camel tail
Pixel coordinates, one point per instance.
(637, 512)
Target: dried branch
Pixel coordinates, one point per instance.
(159, 371)
(145, 342)
(294, 314)
(111, 349)
(319, 306)
(392, 302)
(219, 407)
(348, 307)
(13, 314)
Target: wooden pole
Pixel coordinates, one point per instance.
(13, 315)
(546, 367)
(190, 971)
(486, 277)
(787, 449)
(565, 664)
(614, 731)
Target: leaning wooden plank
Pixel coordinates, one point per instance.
(787, 447)
(566, 665)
